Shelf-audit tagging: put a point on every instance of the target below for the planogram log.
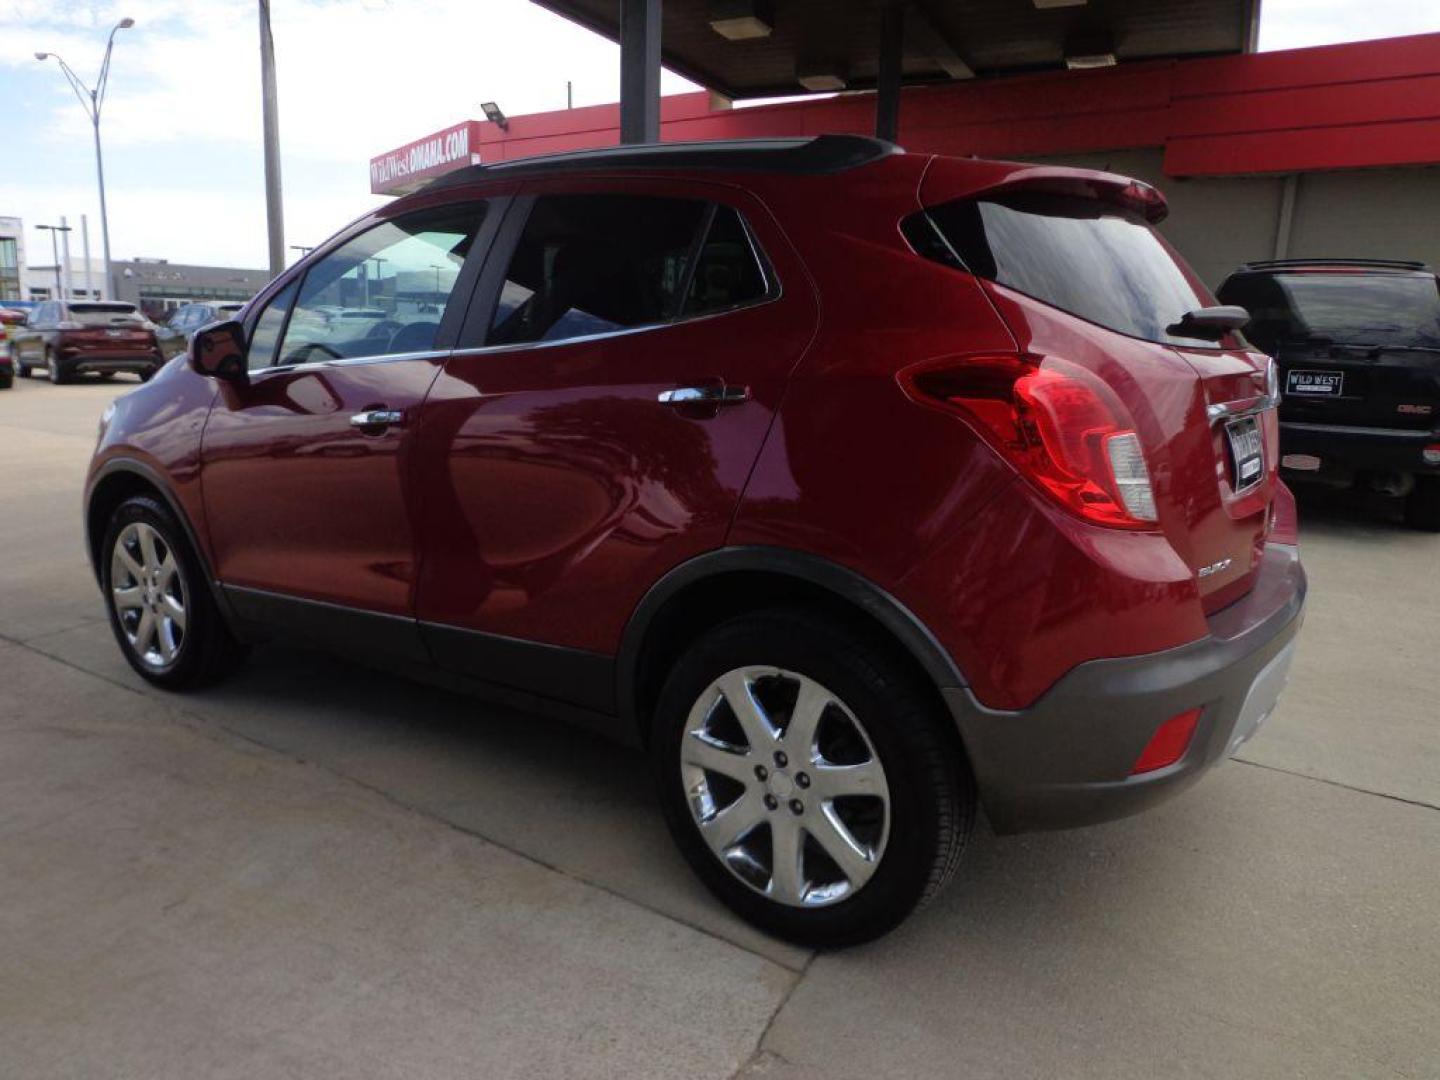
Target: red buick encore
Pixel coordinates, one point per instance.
(861, 488)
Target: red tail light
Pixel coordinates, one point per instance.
(1062, 427)
(1168, 744)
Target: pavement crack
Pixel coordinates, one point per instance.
(1340, 784)
(760, 1054)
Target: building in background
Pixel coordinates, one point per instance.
(159, 286)
(1330, 151)
(12, 258)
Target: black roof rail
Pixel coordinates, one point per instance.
(1391, 264)
(814, 155)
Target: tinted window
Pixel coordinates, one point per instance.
(1353, 309)
(727, 273)
(587, 264)
(266, 335)
(104, 314)
(1083, 256)
(383, 292)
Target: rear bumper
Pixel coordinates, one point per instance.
(136, 362)
(1066, 760)
(1342, 450)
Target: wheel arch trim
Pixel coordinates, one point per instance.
(154, 479)
(839, 581)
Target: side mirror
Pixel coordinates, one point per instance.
(1211, 323)
(217, 351)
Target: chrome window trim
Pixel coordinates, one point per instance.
(350, 361)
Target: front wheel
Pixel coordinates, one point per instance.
(1422, 506)
(808, 779)
(161, 610)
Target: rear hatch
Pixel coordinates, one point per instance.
(108, 328)
(1074, 266)
(1356, 346)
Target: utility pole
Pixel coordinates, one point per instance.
(65, 256)
(55, 254)
(274, 209)
(85, 248)
(91, 100)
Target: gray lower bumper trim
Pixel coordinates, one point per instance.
(1066, 760)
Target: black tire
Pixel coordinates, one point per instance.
(147, 374)
(206, 651)
(6, 381)
(21, 369)
(59, 372)
(931, 792)
(1422, 506)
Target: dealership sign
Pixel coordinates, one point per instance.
(399, 171)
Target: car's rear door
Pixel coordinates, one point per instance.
(564, 469)
(308, 486)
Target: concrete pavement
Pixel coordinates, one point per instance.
(319, 870)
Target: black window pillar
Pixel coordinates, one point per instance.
(639, 71)
(887, 84)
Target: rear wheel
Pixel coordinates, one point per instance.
(161, 610)
(21, 368)
(1422, 506)
(808, 780)
(58, 370)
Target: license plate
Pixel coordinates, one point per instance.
(1247, 453)
(1315, 383)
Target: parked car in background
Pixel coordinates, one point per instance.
(71, 337)
(1358, 345)
(11, 321)
(821, 470)
(176, 332)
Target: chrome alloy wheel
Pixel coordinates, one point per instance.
(149, 594)
(785, 786)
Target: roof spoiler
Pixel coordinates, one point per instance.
(950, 179)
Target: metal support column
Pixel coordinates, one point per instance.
(887, 88)
(639, 71)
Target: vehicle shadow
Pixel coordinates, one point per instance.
(1335, 511)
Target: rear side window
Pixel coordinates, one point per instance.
(728, 272)
(594, 264)
(1087, 257)
(1347, 308)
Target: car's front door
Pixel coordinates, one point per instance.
(307, 482)
(631, 352)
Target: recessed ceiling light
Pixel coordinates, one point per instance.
(741, 20)
(1090, 60)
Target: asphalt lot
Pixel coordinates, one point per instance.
(319, 871)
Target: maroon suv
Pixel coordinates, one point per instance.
(861, 488)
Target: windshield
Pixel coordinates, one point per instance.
(1347, 308)
(104, 314)
(1087, 257)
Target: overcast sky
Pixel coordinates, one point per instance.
(182, 126)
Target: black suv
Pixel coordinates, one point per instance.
(1357, 342)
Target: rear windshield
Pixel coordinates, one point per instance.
(103, 314)
(1347, 308)
(1089, 258)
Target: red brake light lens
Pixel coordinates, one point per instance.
(1062, 427)
(1169, 743)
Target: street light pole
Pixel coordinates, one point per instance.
(92, 99)
(270, 127)
(54, 231)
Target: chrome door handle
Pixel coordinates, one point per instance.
(716, 394)
(377, 418)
